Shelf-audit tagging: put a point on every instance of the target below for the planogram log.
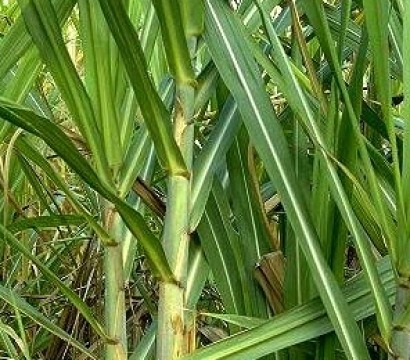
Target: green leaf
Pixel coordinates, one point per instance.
(210, 158)
(299, 104)
(45, 222)
(145, 347)
(10, 333)
(63, 146)
(242, 77)
(82, 307)
(302, 323)
(157, 118)
(14, 300)
(245, 322)
(218, 241)
(41, 22)
(403, 246)
(247, 208)
(18, 41)
(175, 45)
(98, 48)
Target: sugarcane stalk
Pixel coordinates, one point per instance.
(114, 297)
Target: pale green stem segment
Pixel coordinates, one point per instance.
(114, 307)
(400, 343)
(171, 318)
(172, 335)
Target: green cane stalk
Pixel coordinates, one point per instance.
(173, 339)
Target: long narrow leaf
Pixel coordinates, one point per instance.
(300, 324)
(63, 146)
(155, 114)
(241, 76)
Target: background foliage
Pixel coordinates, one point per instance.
(204, 179)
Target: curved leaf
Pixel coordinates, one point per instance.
(242, 77)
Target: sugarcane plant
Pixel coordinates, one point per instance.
(205, 179)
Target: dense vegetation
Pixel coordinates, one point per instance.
(205, 179)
